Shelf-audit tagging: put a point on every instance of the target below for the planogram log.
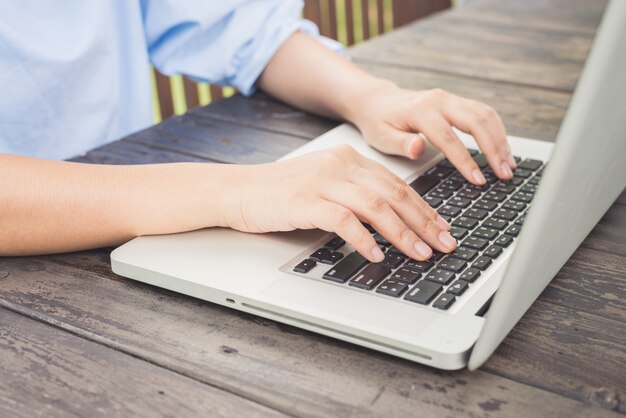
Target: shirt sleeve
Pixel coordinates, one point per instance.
(226, 42)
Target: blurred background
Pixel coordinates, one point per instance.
(348, 21)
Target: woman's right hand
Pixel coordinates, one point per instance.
(335, 190)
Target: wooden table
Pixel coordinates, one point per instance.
(75, 339)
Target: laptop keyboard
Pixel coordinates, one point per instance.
(485, 220)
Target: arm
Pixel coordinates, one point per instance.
(52, 206)
(307, 75)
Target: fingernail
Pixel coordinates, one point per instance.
(446, 240)
(506, 170)
(511, 161)
(442, 222)
(478, 177)
(409, 151)
(422, 249)
(377, 254)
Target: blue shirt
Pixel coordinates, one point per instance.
(74, 74)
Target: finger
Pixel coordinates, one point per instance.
(393, 188)
(333, 217)
(411, 209)
(483, 123)
(398, 142)
(440, 134)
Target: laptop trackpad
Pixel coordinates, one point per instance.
(344, 308)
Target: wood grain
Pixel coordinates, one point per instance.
(49, 372)
(475, 49)
(317, 376)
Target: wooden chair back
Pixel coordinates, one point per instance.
(349, 21)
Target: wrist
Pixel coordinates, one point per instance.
(357, 104)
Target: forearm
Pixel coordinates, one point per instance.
(308, 75)
(52, 206)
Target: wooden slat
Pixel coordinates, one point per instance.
(191, 93)
(349, 22)
(365, 19)
(47, 372)
(320, 376)
(380, 16)
(216, 93)
(313, 12)
(164, 90)
(332, 18)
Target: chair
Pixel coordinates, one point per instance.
(349, 21)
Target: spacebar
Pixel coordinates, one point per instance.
(423, 184)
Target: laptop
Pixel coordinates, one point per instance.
(453, 310)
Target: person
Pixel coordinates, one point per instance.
(75, 75)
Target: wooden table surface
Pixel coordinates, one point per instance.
(75, 339)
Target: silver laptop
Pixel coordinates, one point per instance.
(514, 237)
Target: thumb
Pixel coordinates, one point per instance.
(406, 144)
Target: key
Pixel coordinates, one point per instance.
(495, 196)
(523, 197)
(418, 265)
(528, 188)
(369, 227)
(520, 172)
(465, 222)
(405, 275)
(464, 253)
(305, 266)
(469, 193)
(346, 268)
(493, 251)
(440, 276)
(513, 230)
(506, 214)
(441, 193)
(381, 240)
(423, 292)
(434, 202)
(485, 232)
(452, 184)
(335, 244)
(489, 177)
(392, 287)
(324, 255)
(504, 240)
(437, 255)
(478, 188)
(445, 163)
(458, 288)
(481, 160)
(448, 210)
(475, 243)
(444, 301)
(424, 183)
(440, 172)
(472, 151)
(515, 205)
(393, 260)
(529, 164)
(517, 181)
(370, 276)
(482, 263)
(534, 181)
(459, 202)
(470, 275)
(503, 187)
(475, 213)
(453, 264)
(485, 204)
(457, 232)
(495, 223)
(520, 221)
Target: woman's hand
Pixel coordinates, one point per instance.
(396, 121)
(335, 190)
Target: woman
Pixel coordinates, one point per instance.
(75, 76)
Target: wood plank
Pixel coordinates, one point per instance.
(128, 152)
(263, 112)
(527, 111)
(216, 140)
(238, 352)
(474, 49)
(164, 93)
(47, 372)
(191, 93)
